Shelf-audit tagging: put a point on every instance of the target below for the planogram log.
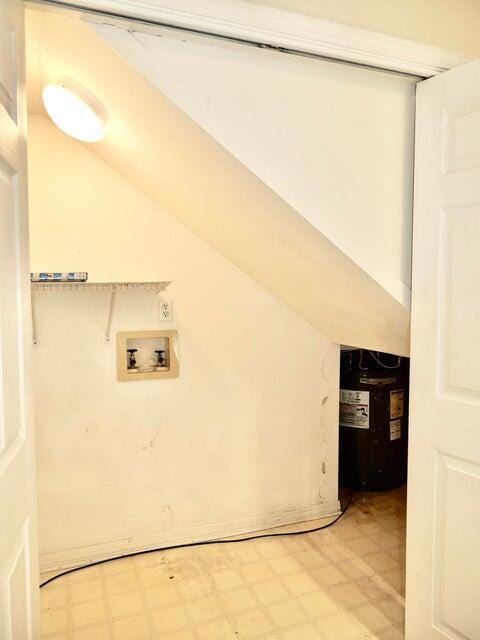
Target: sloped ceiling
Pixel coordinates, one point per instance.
(170, 158)
(333, 140)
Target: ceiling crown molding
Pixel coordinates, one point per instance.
(252, 22)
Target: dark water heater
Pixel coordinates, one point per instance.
(373, 420)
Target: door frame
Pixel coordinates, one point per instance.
(265, 26)
(255, 25)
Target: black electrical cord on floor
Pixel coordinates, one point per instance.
(202, 544)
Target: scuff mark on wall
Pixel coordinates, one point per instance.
(166, 508)
(323, 418)
(153, 438)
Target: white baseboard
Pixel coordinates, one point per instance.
(69, 558)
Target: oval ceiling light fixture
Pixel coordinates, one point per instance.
(75, 111)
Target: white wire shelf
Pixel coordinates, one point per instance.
(113, 287)
(55, 285)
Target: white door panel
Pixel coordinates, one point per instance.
(18, 551)
(443, 551)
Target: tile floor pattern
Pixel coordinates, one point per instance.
(343, 583)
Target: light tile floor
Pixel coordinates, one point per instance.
(343, 583)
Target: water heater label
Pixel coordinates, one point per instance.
(396, 404)
(354, 408)
(395, 429)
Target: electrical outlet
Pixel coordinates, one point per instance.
(165, 309)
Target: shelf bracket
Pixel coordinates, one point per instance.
(113, 298)
(34, 320)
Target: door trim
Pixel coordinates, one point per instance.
(260, 25)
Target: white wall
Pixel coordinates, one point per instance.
(237, 440)
(333, 140)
